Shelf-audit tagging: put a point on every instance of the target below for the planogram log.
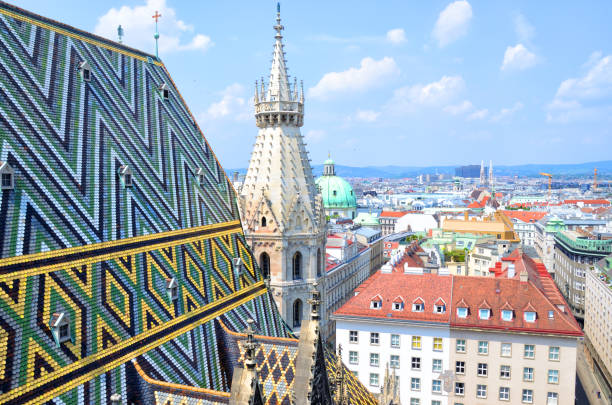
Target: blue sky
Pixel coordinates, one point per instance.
(388, 82)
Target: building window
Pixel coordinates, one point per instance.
(552, 398)
(551, 314)
(418, 307)
(416, 363)
(437, 344)
(85, 70)
(126, 175)
(553, 376)
(483, 369)
(374, 359)
(436, 386)
(264, 222)
(374, 338)
(297, 313)
(504, 393)
(376, 302)
(553, 353)
(459, 388)
(504, 371)
(374, 379)
(530, 316)
(264, 263)
(483, 347)
(460, 346)
(319, 263)
(415, 401)
(481, 391)
(164, 89)
(416, 343)
(436, 402)
(398, 306)
(395, 361)
(353, 357)
(527, 397)
(353, 336)
(297, 266)
(528, 374)
(415, 384)
(395, 341)
(60, 327)
(529, 351)
(8, 176)
(201, 176)
(436, 366)
(506, 315)
(172, 289)
(484, 313)
(506, 349)
(462, 312)
(460, 367)
(439, 307)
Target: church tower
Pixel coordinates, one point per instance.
(282, 210)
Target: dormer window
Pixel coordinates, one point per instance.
(200, 176)
(126, 175)
(551, 314)
(530, 316)
(172, 288)
(506, 315)
(484, 313)
(418, 305)
(462, 312)
(398, 304)
(164, 89)
(238, 267)
(376, 302)
(85, 71)
(60, 327)
(7, 176)
(439, 306)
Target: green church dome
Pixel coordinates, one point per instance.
(336, 192)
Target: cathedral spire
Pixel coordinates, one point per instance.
(278, 88)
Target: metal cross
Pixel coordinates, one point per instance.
(156, 16)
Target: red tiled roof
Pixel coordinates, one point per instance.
(392, 214)
(475, 204)
(588, 202)
(525, 216)
(539, 294)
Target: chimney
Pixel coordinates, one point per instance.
(511, 270)
(523, 276)
(466, 215)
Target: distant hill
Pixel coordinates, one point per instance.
(604, 168)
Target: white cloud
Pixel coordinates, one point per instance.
(366, 115)
(506, 112)
(524, 30)
(315, 135)
(478, 115)
(396, 36)
(452, 22)
(232, 105)
(435, 94)
(588, 97)
(175, 34)
(457, 109)
(518, 58)
(371, 73)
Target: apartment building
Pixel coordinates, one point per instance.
(524, 223)
(575, 254)
(598, 318)
(545, 231)
(388, 219)
(463, 340)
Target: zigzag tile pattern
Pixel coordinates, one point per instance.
(75, 239)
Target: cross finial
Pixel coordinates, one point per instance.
(156, 35)
(156, 16)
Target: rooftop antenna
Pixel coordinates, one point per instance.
(120, 33)
(156, 35)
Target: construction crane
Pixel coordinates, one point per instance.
(549, 182)
(595, 180)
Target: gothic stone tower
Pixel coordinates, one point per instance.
(282, 210)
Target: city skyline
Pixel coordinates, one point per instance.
(467, 79)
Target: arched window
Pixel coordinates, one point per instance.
(264, 263)
(263, 222)
(319, 263)
(297, 313)
(297, 266)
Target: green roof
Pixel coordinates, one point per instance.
(366, 219)
(336, 192)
